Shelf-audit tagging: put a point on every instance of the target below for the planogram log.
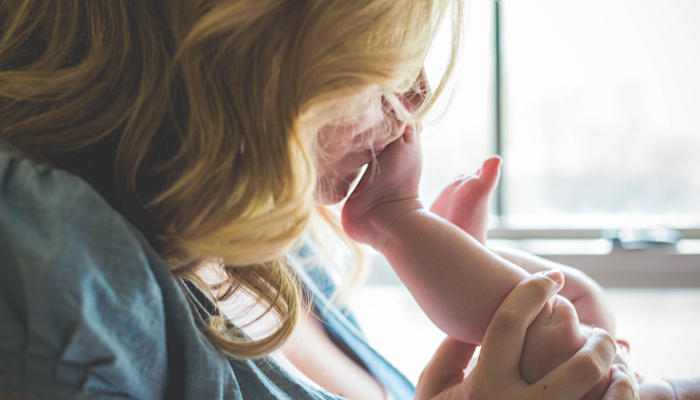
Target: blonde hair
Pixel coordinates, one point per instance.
(205, 112)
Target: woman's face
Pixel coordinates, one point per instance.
(343, 149)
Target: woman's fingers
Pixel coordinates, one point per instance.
(503, 341)
(573, 379)
(621, 386)
(446, 368)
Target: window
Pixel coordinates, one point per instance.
(457, 141)
(600, 118)
(601, 112)
(599, 126)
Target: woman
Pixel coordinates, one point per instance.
(143, 140)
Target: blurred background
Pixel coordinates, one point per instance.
(595, 108)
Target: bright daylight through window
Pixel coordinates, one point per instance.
(600, 112)
(600, 131)
(599, 122)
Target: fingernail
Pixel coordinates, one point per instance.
(624, 344)
(555, 275)
(602, 332)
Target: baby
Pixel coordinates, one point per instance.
(454, 278)
(556, 335)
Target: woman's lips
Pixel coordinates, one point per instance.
(373, 153)
(378, 151)
(397, 132)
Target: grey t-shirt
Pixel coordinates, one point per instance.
(88, 310)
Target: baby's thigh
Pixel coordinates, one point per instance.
(686, 389)
(655, 389)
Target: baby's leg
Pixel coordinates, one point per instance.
(553, 338)
(669, 389)
(466, 201)
(686, 389)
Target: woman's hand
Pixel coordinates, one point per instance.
(497, 376)
(621, 386)
(584, 293)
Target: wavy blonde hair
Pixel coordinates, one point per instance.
(196, 118)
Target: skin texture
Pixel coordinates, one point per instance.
(685, 389)
(313, 352)
(466, 203)
(496, 376)
(429, 254)
(556, 334)
(450, 274)
(386, 202)
(345, 148)
(385, 213)
(553, 338)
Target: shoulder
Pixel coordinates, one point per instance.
(57, 232)
(88, 310)
(79, 304)
(46, 206)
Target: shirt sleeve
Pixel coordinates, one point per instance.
(81, 315)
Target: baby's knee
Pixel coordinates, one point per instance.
(685, 389)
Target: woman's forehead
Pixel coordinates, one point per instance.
(352, 109)
(355, 114)
(352, 130)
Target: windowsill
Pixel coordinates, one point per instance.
(544, 247)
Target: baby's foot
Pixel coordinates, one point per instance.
(466, 201)
(389, 190)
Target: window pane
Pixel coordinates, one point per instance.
(602, 112)
(459, 141)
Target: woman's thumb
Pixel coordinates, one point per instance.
(446, 368)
